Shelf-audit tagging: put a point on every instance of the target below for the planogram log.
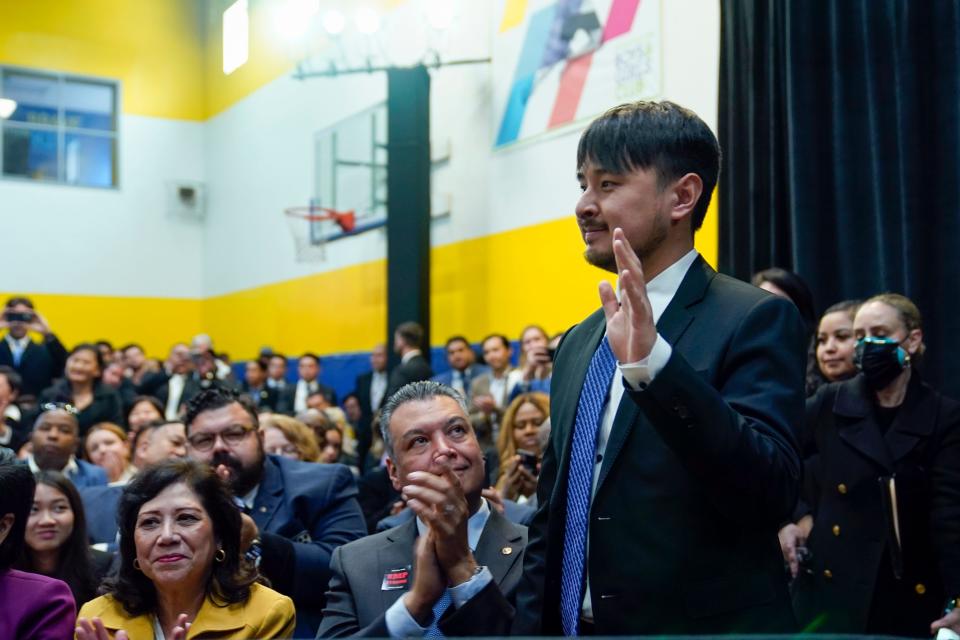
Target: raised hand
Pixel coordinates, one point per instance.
(93, 629)
(630, 327)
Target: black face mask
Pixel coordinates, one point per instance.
(881, 360)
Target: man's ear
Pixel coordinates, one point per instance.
(684, 194)
(394, 473)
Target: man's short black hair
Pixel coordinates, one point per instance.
(503, 339)
(277, 355)
(218, 397)
(453, 339)
(13, 378)
(662, 135)
(412, 334)
(15, 300)
(260, 364)
(308, 354)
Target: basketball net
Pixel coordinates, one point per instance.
(311, 226)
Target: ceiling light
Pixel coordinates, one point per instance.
(334, 22)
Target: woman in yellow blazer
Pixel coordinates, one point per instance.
(181, 572)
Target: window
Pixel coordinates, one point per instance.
(64, 128)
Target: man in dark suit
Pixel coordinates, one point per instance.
(255, 385)
(37, 363)
(55, 437)
(674, 410)
(371, 389)
(295, 513)
(407, 343)
(452, 569)
(293, 398)
(463, 366)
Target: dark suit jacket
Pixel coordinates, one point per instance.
(157, 384)
(364, 428)
(266, 398)
(39, 365)
(357, 605)
(106, 405)
(847, 454)
(304, 511)
(471, 373)
(100, 504)
(288, 397)
(701, 468)
(413, 370)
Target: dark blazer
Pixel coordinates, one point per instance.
(100, 505)
(304, 511)
(848, 459)
(106, 405)
(266, 398)
(357, 604)
(288, 396)
(513, 512)
(701, 468)
(413, 370)
(157, 384)
(364, 429)
(471, 373)
(86, 475)
(39, 365)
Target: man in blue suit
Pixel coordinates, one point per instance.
(295, 513)
(55, 437)
(463, 366)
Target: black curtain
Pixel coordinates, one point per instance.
(840, 126)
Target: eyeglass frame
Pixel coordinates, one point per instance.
(246, 431)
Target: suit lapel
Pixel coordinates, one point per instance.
(397, 553)
(856, 424)
(499, 546)
(914, 421)
(269, 495)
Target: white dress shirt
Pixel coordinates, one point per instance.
(304, 389)
(174, 392)
(378, 387)
(660, 292)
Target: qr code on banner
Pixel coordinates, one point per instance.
(634, 70)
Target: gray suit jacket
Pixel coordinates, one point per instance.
(357, 603)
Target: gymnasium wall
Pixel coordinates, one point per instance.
(508, 254)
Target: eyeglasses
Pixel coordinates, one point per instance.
(58, 406)
(231, 436)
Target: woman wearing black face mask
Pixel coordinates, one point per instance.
(880, 512)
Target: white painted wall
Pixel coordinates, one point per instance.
(111, 242)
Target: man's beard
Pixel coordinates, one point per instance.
(50, 459)
(242, 479)
(607, 261)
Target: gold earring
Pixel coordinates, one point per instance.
(136, 564)
(220, 555)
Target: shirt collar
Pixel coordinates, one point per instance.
(475, 524)
(664, 286)
(70, 469)
(18, 344)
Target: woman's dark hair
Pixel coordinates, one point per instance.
(229, 580)
(75, 564)
(92, 348)
(794, 286)
(815, 377)
(149, 400)
(16, 497)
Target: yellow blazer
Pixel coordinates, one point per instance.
(266, 614)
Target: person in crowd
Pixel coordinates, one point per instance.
(136, 363)
(331, 444)
(182, 565)
(38, 363)
(293, 399)
(55, 438)
(56, 539)
(169, 385)
(318, 401)
(881, 500)
(296, 512)
(114, 376)
(201, 347)
(673, 457)
(789, 285)
(465, 557)
(408, 344)
(255, 385)
(463, 366)
(155, 442)
(351, 409)
(144, 409)
(834, 346)
(490, 392)
(519, 447)
(12, 433)
(82, 388)
(106, 446)
(371, 388)
(287, 437)
(536, 362)
(34, 607)
(277, 371)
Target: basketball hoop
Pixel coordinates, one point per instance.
(312, 225)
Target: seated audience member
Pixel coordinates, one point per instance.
(463, 366)
(154, 443)
(299, 512)
(82, 387)
(56, 539)
(254, 385)
(182, 566)
(202, 347)
(34, 607)
(789, 285)
(536, 362)
(331, 444)
(371, 388)
(106, 446)
(518, 446)
(490, 392)
(351, 409)
(105, 347)
(55, 438)
(12, 434)
(835, 345)
(318, 400)
(169, 385)
(407, 343)
(881, 494)
(466, 558)
(287, 437)
(143, 410)
(293, 399)
(277, 371)
(136, 363)
(37, 363)
(114, 377)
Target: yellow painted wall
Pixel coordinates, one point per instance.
(154, 47)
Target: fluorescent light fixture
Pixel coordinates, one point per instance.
(293, 18)
(368, 21)
(7, 107)
(334, 22)
(236, 36)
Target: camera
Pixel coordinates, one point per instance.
(18, 316)
(528, 460)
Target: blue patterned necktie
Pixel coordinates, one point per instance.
(593, 398)
(439, 608)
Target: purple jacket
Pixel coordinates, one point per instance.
(35, 607)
